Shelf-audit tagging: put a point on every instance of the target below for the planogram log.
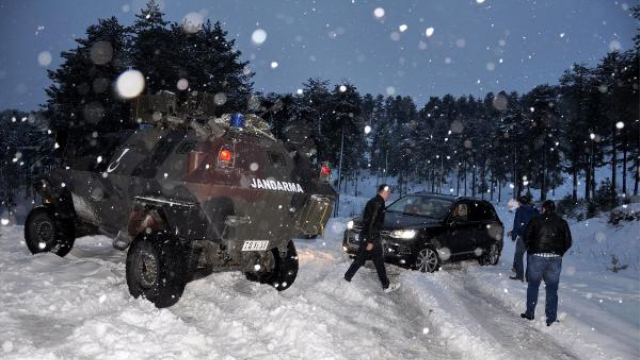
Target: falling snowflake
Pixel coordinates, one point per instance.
(258, 37)
(130, 84)
(429, 31)
(44, 58)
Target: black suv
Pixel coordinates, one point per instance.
(424, 229)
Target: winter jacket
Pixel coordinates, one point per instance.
(524, 214)
(373, 219)
(548, 234)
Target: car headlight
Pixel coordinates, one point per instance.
(403, 234)
(350, 225)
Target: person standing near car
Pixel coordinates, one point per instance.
(370, 243)
(547, 238)
(524, 213)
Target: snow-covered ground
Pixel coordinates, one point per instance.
(79, 307)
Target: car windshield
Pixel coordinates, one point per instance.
(421, 206)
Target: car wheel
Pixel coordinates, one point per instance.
(490, 256)
(427, 260)
(157, 269)
(44, 232)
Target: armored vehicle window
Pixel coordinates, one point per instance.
(84, 152)
(276, 159)
(186, 147)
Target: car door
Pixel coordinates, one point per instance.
(490, 225)
(460, 230)
(482, 216)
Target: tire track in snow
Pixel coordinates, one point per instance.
(399, 309)
(521, 340)
(343, 320)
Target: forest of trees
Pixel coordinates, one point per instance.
(475, 146)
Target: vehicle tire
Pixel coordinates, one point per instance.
(157, 268)
(44, 231)
(427, 260)
(285, 270)
(490, 256)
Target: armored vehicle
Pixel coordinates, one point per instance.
(188, 194)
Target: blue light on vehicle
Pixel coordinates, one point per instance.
(237, 120)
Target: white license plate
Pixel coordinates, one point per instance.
(255, 245)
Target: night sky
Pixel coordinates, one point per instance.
(475, 47)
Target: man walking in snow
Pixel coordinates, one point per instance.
(547, 238)
(524, 213)
(370, 243)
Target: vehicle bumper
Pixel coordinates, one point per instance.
(394, 251)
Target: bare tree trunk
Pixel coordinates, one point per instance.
(465, 176)
(587, 182)
(574, 194)
(473, 182)
(614, 163)
(624, 167)
(491, 188)
(593, 178)
(433, 178)
(543, 186)
(635, 186)
(514, 175)
(499, 192)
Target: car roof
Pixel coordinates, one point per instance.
(447, 196)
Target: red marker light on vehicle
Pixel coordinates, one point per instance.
(225, 155)
(325, 170)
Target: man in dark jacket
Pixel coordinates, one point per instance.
(524, 213)
(370, 243)
(547, 238)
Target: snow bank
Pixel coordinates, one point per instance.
(79, 307)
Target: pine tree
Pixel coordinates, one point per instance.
(151, 49)
(576, 85)
(544, 134)
(81, 95)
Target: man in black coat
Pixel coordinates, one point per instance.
(547, 238)
(370, 243)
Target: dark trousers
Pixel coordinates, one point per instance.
(378, 260)
(547, 269)
(518, 256)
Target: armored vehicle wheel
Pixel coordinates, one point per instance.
(45, 232)
(286, 268)
(157, 269)
(284, 272)
(427, 260)
(490, 256)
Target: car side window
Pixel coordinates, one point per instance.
(480, 212)
(460, 212)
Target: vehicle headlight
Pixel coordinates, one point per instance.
(403, 234)
(350, 225)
